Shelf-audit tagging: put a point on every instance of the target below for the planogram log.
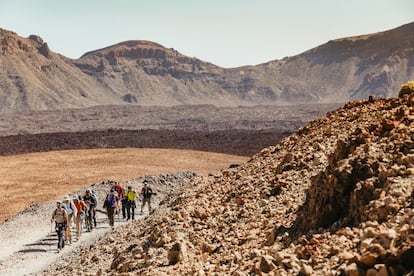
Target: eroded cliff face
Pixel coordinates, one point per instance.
(146, 73)
(335, 198)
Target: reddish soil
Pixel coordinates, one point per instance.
(32, 178)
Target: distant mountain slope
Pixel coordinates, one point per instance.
(146, 73)
(32, 77)
(143, 72)
(347, 69)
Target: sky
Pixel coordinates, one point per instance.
(228, 33)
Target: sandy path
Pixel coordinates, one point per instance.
(30, 249)
(29, 241)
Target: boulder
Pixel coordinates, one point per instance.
(177, 253)
(266, 264)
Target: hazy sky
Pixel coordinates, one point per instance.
(228, 33)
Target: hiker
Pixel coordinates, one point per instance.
(146, 194)
(118, 188)
(110, 204)
(120, 193)
(72, 212)
(95, 196)
(90, 200)
(81, 209)
(60, 217)
(124, 203)
(130, 202)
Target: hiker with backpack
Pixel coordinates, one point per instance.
(60, 217)
(95, 197)
(120, 193)
(81, 209)
(130, 202)
(110, 205)
(146, 194)
(71, 212)
(91, 201)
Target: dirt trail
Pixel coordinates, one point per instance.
(29, 241)
(30, 249)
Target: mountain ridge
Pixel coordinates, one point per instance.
(142, 72)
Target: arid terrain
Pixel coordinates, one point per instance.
(236, 131)
(38, 177)
(257, 171)
(335, 198)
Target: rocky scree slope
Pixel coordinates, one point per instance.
(336, 198)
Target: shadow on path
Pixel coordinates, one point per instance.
(35, 250)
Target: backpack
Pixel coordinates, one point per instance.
(73, 207)
(95, 197)
(91, 199)
(62, 215)
(110, 201)
(147, 192)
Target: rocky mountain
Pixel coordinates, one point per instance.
(335, 198)
(348, 69)
(33, 77)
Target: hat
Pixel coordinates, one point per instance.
(66, 197)
(75, 197)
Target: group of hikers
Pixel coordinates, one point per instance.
(81, 210)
